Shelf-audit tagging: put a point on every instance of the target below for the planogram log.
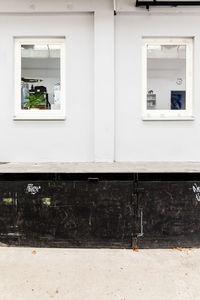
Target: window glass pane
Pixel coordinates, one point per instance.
(166, 77)
(40, 77)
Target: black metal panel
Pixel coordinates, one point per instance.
(67, 213)
(166, 3)
(65, 176)
(167, 177)
(148, 210)
(169, 212)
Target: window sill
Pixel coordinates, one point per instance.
(39, 118)
(168, 118)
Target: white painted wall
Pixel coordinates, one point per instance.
(69, 140)
(103, 101)
(88, 132)
(138, 140)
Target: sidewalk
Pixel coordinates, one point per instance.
(73, 274)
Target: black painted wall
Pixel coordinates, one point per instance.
(100, 210)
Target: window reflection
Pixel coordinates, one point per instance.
(40, 77)
(166, 77)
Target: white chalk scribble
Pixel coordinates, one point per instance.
(196, 190)
(32, 189)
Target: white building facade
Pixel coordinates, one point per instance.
(105, 82)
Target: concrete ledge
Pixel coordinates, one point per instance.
(116, 167)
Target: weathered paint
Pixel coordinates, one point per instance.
(100, 210)
(82, 211)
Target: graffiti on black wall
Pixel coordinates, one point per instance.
(196, 190)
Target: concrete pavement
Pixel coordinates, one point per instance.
(100, 274)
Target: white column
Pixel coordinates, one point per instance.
(104, 82)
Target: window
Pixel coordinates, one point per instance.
(167, 78)
(39, 78)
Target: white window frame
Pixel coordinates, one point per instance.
(186, 114)
(38, 114)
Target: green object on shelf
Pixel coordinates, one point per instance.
(35, 100)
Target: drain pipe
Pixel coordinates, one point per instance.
(115, 7)
(115, 13)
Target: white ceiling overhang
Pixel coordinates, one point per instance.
(67, 6)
